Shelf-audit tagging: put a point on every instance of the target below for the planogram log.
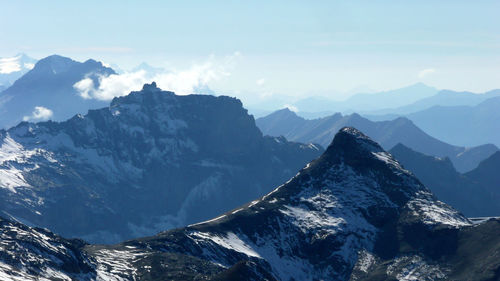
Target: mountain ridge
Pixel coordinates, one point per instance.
(151, 160)
(49, 85)
(352, 214)
(388, 133)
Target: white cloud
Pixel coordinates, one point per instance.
(84, 87)
(9, 65)
(29, 65)
(426, 72)
(260, 82)
(291, 107)
(40, 113)
(182, 82)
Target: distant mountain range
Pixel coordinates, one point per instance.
(443, 98)
(47, 92)
(13, 68)
(352, 214)
(320, 106)
(368, 102)
(147, 162)
(475, 193)
(388, 133)
(463, 125)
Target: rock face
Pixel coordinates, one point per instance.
(49, 85)
(352, 214)
(150, 161)
(476, 193)
(37, 254)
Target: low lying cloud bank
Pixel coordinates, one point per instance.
(40, 113)
(181, 82)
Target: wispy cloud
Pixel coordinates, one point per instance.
(260, 81)
(40, 113)
(9, 65)
(182, 82)
(426, 72)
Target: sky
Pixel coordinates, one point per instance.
(257, 49)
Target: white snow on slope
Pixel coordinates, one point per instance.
(12, 156)
(117, 265)
(415, 268)
(229, 241)
(432, 211)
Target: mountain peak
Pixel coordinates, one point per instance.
(351, 138)
(54, 63)
(151, 87)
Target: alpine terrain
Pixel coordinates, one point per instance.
(352, 214)
(47, 91)
(388, 133)
(149, 161)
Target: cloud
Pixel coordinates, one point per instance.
(9, 65)
(182, 82)
(426, 72)
(84, 87)
(40, 113)
(29, 65)
(260, 82)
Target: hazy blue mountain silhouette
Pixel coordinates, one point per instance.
(367, 102)
(462, 125)
(476, 193)
(487, 173)
(442, 98)
(388, 133)
(50, 85)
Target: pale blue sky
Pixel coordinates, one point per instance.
(290, 47)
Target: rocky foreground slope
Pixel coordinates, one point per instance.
(352, 214)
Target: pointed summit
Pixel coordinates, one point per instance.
(354, 198)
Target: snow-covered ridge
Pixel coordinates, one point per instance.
(325, 223)
(331, 202)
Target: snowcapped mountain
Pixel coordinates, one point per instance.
(352, 214)
(46, 91)
(14, 67)
(149, 161)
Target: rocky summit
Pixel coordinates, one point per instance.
(352, 214)
(150, 161)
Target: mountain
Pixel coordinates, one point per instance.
(487, 174)
(442, 98)
(14, 67)
(476, 194)
(150, 71)
(37, 254)
(47, 91)
(462, 125)
(368, 102)
(149, 161)
(388, 133)
(352, 214)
